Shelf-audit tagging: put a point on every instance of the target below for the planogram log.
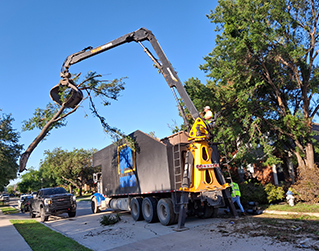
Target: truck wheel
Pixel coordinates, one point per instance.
(207, 212)
(136, 209)
(71, 214)
(165, 211)
(32, 215)
(149, 209)
(42, 215)
(215, 212)
(94, 206)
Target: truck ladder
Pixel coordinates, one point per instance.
(177, 160)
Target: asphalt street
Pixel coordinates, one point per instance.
(128, 234)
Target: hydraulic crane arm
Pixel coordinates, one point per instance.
(162, 63)
(202, 170)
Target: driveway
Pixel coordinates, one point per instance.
(205, 234)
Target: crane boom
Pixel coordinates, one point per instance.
(138, 36)
(201, 175)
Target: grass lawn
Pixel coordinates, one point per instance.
(84, 198)
(42, 238)
(4, 204)
(300, 207)
(9, 210)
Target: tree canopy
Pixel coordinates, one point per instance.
(60, 168)
(69, 167)
(33, 180)
(9, 150)
(263, 78)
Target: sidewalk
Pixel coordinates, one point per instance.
(10, 238)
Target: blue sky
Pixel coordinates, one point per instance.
(37, 36)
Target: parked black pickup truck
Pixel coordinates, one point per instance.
(52, 201)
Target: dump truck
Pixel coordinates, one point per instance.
(166, 179)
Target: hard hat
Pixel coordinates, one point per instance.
(207, 107)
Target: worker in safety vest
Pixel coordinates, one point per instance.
(235, 194)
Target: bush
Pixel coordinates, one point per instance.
(253, 191)
(274, 193)
(306, 189)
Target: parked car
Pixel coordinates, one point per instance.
(25, 205)
(4, 197)
(21, 199)
(52, 201)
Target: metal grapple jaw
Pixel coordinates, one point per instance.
(71, 99)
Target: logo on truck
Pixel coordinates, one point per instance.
(126, 166)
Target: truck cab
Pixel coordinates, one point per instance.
(52, 201)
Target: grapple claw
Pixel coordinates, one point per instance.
(72, 99)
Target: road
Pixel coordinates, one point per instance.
(206, 234)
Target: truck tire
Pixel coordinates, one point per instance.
(94, 206)
(207, 212)
(71, 214)
(32, 215)
(42, 215)
(215, 212)
(136, 209)
(149, 209)
(165, 211)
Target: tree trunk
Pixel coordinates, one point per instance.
(301, 162)
(72, 182)
(307, 161)
(291, 170)
(310, 156)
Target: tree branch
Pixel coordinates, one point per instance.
(315, 111)
(25, 156)
(70, 181)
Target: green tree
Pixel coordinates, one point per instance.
(73, 168)
(32, 181)
(9, 150)
(200, 93)
(54, 116)
(264, 77)
(10, 189)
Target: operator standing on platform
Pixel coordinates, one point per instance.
(208, 116)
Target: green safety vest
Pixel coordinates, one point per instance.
(211, 114)
(235, 189)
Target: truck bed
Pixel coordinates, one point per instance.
(154, 166)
